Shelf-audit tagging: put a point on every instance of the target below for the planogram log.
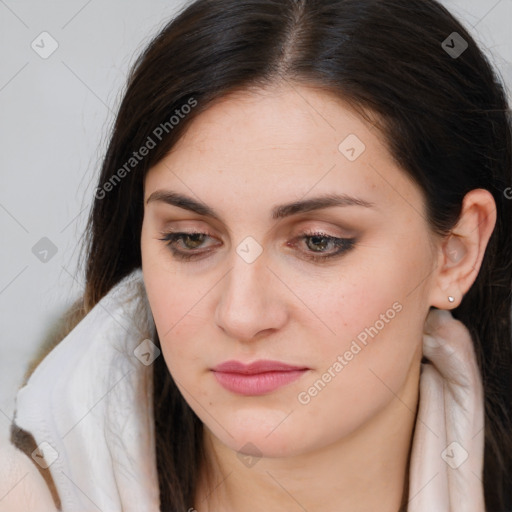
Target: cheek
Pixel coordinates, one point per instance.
(178, 311)
(371, 317)
(363, 368)
(173, 310)
(343, 305)
(172, 298)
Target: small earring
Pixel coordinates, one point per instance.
(451, 299)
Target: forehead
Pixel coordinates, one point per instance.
(296, 119)
(282, 143)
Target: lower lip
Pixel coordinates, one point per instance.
(256, 384)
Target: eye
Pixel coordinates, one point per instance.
(316, 243)
(191, 240)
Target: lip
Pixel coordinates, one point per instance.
(257, 378)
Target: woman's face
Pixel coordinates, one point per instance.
(335, 297)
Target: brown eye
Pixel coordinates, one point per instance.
(190, 242)
(195, 238)
(319, 243)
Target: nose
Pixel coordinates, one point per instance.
(252, 301)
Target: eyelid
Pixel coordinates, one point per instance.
(301, 232)
(342, 244)
(297, 228)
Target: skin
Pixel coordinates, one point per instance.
(247, 153)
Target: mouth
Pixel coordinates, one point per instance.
(257, 378)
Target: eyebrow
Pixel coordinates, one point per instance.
(278, 212)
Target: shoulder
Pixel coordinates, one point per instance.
(22, 486)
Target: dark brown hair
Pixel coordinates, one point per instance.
(445, 120)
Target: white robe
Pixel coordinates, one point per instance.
(88, 406)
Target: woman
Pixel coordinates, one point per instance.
(293, 193)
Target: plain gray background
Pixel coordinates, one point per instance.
(56, 113)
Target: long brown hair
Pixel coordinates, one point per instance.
(444, 116)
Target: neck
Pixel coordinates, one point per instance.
(367, 470)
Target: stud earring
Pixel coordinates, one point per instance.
(451, 299)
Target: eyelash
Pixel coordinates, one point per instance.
(343, 244)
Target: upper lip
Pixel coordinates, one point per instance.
(255, 367)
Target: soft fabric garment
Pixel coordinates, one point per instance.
(88, 406)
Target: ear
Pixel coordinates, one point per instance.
(461, 253)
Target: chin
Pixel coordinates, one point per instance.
(257, 436)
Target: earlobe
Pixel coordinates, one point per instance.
(454, 261)
(462, 252)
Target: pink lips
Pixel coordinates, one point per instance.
(257, 378)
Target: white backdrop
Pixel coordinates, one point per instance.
(63, 66)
